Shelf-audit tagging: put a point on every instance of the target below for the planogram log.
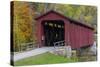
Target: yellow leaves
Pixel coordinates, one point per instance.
(23, 18)
(22, 9)
(88, 18)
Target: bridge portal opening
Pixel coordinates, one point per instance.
(53, 31)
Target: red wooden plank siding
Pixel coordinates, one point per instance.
(81, 37)
(72, 36)
(67, 32)
(38, 33)
(76, 34)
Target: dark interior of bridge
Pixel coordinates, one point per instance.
(53, 31)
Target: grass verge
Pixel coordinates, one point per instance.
(46, 58)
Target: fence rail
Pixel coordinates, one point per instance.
(27, 46)
(59, 43)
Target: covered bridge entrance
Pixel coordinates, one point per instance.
(53, 27)
(53, 31)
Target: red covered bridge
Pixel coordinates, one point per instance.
(53, 26)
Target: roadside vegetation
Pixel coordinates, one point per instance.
(49, 58)
(46, 58)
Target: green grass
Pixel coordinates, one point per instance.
(46, 58)
(87, 58)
